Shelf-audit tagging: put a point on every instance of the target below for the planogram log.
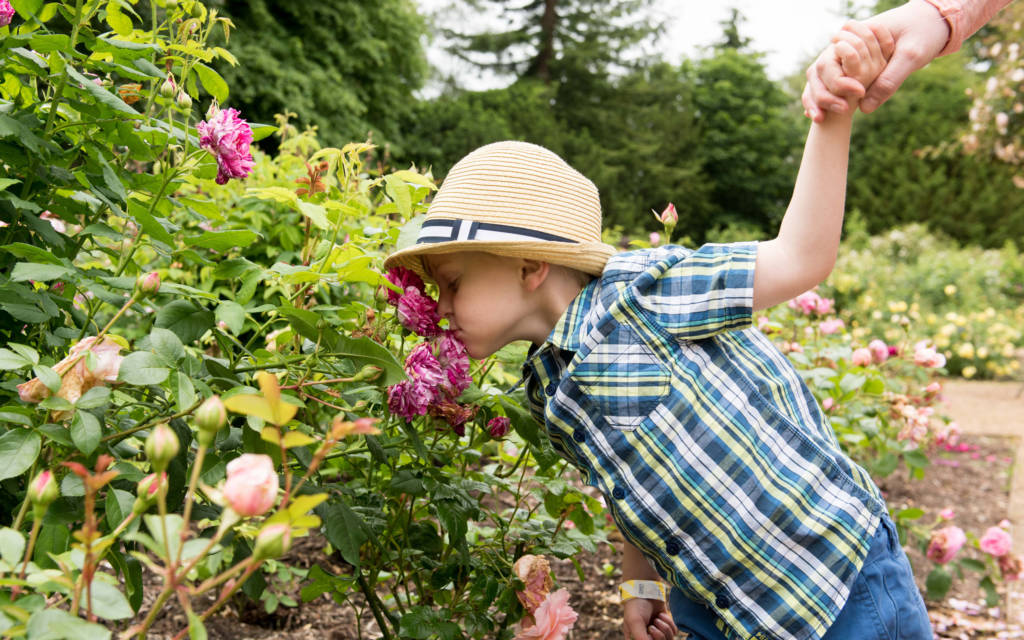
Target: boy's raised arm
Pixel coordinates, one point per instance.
(804, 252)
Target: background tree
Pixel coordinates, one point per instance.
(346, 66)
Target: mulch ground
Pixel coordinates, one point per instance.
(974, 481)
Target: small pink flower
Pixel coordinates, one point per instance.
(669, 216)
(655, 238)
(1010, 566)
(402, 278)
(251, 487)
(927, 356)
(995, 541)
(945, 543)
(418, 313)
(933, 388)
(861, 357)
(947, 513)
(879, 351)
(228, 138)
(828, 403)
(409, 398)
(498, 427)
(806, 302)
(6, 13)
(552, 620)
(824, 305)
(830, 326)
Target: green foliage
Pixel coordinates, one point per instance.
(347, 67)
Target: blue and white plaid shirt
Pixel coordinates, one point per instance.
(713, 455)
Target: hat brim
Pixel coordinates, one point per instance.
(588, 257)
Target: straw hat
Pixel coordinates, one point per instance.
(513, 199)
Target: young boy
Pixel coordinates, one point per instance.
(717, 464)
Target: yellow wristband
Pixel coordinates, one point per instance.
(648, 589)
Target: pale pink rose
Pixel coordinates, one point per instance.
(762, 322)
(927, 356)
(1004, 524)
(76, 377)
(251, 487)
(535, 572)
(879, 351)
(655, 238)
(830, 326)
(824, 305)
(945, 543)
(995, 541)
(828, 403)
(947, 513)
(806, 302)
(6, 13)
(933, 388)
(1010, 566)
(861, 357)
(669, 216)
(228, 138)
(552, 620)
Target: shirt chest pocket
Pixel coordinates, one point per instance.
(624, 383)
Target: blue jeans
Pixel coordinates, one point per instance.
(884, 602)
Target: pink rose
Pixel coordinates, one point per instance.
(251, 487)
(933, 388)
(927, 356)
(944, 544)
(828, 403)
(1010, 567)
(6, 14)
(861, 357)
(669, 216)
(535, 572)
(655, 238)
(422, 366)
(409, 398)
(947, 513)
(824, 305)
(879, 351)
(454, 361)
(996, 542)
(552, 620)
(402, 278)
(227, 137)
(418, 313)
(498, 427)
(830, 326)
(806, 302)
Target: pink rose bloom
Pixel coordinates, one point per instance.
(552, 620)
(55, 221)
(76, 377)
(498, 427)
(947, 513)
(933, 388)
(830, 326)
(824, 305)
(806, 302)
(6, 13)
(927, 356)
(535, 572)
(251, 487)
(409, 398)
(227, 137)
(1010, 567)
(418, 313)
(879, 350)
(861, 357)
(655, 238)
(403, 279)
(945, 543)
(454, 360)
(996, 542)
(422, 366)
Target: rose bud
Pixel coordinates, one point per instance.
(146, 491)
(272, 541)
(211, 416)
(161, 446)
(498, 427)
(167, 89)
(184, 100)
(367, 373)
(42, 491)
(148, 284)
(251, 486)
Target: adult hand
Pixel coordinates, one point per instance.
(920, 33)
(644, 619)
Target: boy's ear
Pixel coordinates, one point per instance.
(533, 273)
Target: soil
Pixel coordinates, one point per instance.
(976, 481)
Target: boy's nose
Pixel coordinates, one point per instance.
(444, 307)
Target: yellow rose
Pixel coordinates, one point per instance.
(965, 350)
(950, 290)
(969, 372)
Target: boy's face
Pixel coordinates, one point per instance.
(481, 295)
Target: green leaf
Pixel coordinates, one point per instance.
(120, 23)
(196, 628)
(316, 213)
(260, 131)
(852, 382)
(118, 506)
(10, 360)
(173, 525)
(27, 8)
(183, 389)
(24, 271)
(972, 564)
(400, 194)
(57, 624)
(874, 386)
(938, 583)
(346, 531)
(212, 82)
(142, 368)
(916, 458)
(224, 240)
(12, 546)
(141, 214)
(167, 346)
(912, 513)
(31, 253)
(8, 182)
(108, 602)
(185, 319)
(364, 351)
(232, 314)
(100, 93)
(85, 432)
(93, 398)
(18, 450)
(48, 377)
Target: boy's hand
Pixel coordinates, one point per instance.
(644, 619)
(862, 52)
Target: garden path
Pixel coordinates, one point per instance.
(996, 408)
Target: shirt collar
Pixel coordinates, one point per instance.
(566, 334)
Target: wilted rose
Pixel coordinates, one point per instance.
(945, 543)
(535, 572)
(251, 485)
(1010, 566)
(76, 376)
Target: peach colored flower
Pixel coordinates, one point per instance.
(535, 572)
(553, 619)
(251, 487)
(945, 543)
(996, 541)
(861, 357)
(76, 377)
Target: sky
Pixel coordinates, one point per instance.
(789, 32)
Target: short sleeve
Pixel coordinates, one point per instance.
(695, 294)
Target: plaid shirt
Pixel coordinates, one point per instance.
(713, 456)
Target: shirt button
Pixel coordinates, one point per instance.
(722, 601)
(551, 388)
(618, 493)
(673, 548)
(578, 435)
